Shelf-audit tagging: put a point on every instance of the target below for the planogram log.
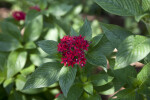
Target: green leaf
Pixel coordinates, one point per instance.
(100, 79)
(74, 92)
(88, 87)
(95, 40)
(107, 89)
(44, 76)
(37, 59)
(16, 62)
(121, 7)
(62, 24)
(128, 94)
(103, 47)
(8, 43)
(31, 15)
(48, 46)
(133, 49)
(3, 68)
(97, 59)
(59, 10)
(20, 82)
(147, 59)
(87, 96)
(145, 4)
(7, 82)
(30, 45)
(17, 96)
(11, 29)
(73, 32)
(124, 74)
(66, 78)
(114, 33)
(28, 70)
(143, 75)
(86, 30)
(33, 29)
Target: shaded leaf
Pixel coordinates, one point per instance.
(48, 46)
(97, 59)
(44, 76)
(114, 33)
(8, 43)
(86, 30)
(66, 78)
(74, 92)
(11, 29)
(100, 79)
(88, 87)
(95, 40)
(73, 32)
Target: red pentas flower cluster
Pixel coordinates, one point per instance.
(19, 15)
(72, 50)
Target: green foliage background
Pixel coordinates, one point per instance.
(30, 66)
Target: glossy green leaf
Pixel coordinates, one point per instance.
(121, 7)
(88, 87)
(16, 61)
(73, 32)
(95, 40)
(20, 82)
(104, 47)
(97, 59)
(30, 45)
(33, 29)
(66, 78)
(8, 43)
(60, 10)
(100, 79)
(11, 29)
(48, 46)
(36, 59)
(129, 94)
(74, 92)
(28, 70)
(114, 33)
(143, 75)
(133, 49)
(44, 76)
(145, 4)
(86, 30)
(107, 89)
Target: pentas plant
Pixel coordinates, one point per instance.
(72, 60)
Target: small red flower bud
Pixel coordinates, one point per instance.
(35, 8)
(57, 95)
(19, 15)
(72, 50)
